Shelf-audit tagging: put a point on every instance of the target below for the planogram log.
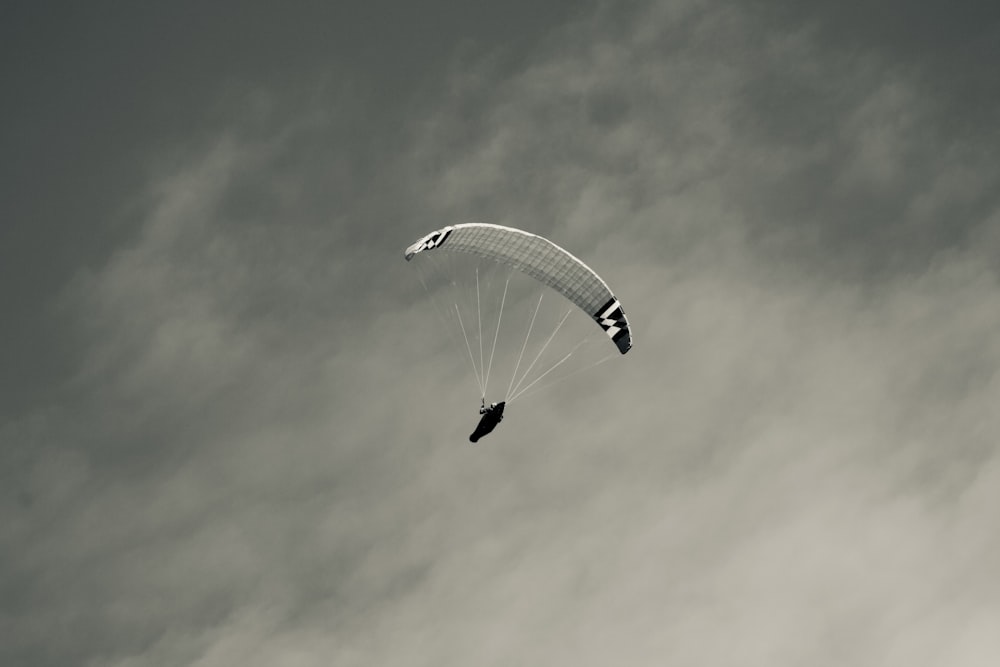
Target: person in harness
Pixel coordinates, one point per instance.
(491, 416)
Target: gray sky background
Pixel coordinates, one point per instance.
(231, 434)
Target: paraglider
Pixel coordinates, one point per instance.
(539, 259)
(491, 416)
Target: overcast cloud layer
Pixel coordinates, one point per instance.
(233, 434)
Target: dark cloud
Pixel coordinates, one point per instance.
(96, 96)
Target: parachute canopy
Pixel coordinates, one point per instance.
(542, 260)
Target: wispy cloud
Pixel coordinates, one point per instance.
(263, 458)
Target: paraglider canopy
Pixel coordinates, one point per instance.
(541, 259)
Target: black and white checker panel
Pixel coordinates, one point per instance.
(611, 317)
(432, 240)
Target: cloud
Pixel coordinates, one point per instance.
(263, 460)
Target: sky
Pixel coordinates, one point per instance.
(232, 431)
